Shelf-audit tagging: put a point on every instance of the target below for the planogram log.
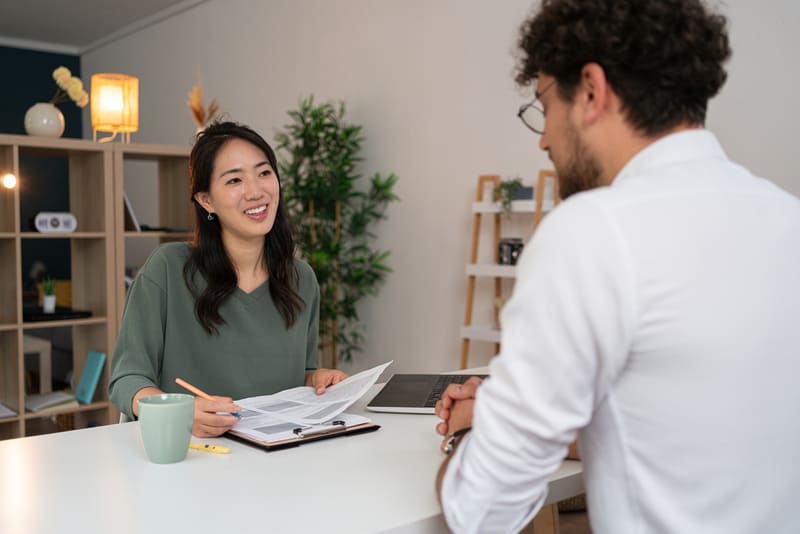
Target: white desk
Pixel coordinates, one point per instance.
(98, 480)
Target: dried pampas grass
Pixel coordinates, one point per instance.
(200, 114)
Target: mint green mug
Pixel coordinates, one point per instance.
(165, 421)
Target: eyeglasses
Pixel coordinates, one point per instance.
(532, 113)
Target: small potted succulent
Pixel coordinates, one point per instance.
(49, 295)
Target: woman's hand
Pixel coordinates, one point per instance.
(212, 417)
(322, 378)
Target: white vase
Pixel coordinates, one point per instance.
(45, 120)
(49, 303)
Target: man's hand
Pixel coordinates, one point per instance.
(455, 418)
(322, 378)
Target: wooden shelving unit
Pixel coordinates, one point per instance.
(91, 191)
(485, 208)
(96, 175)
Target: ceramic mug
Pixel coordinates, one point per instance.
(165, 421)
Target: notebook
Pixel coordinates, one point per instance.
(413, 393)
(90, 376)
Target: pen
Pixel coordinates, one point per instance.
(219, 449)
(199, 392)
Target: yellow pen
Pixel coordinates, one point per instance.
(219, 449)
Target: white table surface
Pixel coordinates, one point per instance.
(99, 480)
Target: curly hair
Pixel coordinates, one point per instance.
(208, 256)
(663, 58)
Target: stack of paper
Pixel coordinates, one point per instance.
(50, 402)
(5, 411)
(297, 415)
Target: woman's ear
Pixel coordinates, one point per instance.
(202, 199)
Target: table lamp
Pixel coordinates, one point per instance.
(115, 105)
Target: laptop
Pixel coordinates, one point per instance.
(413, 393)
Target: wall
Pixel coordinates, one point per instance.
(431, 82)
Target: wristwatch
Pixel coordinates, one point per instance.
(453, 439)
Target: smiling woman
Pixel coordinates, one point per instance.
(233, 312)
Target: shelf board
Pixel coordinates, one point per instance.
(48, 145)
(33, 325)
(82, 408)
(152, 152)
(144, 234)
(517, 206)
(492, 269)
(63, 235)
(8, 327)
(7, 235)
(485, 332)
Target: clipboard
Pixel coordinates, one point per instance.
(308, 434)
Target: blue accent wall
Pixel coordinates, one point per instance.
(43, 184)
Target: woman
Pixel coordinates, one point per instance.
(233, 313)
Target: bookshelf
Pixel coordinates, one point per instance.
(484, 208)
(161, 176)
(91, 251)
(96, 173)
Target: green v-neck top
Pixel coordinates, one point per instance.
(253, 353)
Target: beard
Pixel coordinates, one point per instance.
(581, 170)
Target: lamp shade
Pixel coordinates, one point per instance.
(115, 103)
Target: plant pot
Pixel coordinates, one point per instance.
(49, 303)
(44, 120)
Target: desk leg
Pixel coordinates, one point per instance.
(545, 522)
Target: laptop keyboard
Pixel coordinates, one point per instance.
(441, 384)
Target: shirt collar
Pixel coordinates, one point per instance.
(673, 149)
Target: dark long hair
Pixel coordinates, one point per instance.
(208, 256)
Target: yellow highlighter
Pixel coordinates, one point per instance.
(218, 449)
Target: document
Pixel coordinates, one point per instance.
(275, 434)
(298, 415)
(302, 406)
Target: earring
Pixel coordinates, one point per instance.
(210, 216)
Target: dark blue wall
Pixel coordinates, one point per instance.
(43, 180)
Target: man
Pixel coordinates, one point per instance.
(655, 311)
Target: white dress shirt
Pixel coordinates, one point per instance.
(660, 318)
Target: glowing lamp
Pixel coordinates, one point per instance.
(9, 181)
(115, 105)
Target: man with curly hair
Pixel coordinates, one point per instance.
(654, 314)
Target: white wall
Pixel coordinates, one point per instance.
(432, 84)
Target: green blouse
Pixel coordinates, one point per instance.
(252, 354)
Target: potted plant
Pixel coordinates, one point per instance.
(334, 217)
(49, 295)
(506, 191)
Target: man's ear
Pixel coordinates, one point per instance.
(202, 198)
(594, 92)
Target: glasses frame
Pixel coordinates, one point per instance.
(536, 104)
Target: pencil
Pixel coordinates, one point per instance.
(199, 392)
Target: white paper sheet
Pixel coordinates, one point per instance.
(302, 406)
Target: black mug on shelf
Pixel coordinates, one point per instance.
(509, 250)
